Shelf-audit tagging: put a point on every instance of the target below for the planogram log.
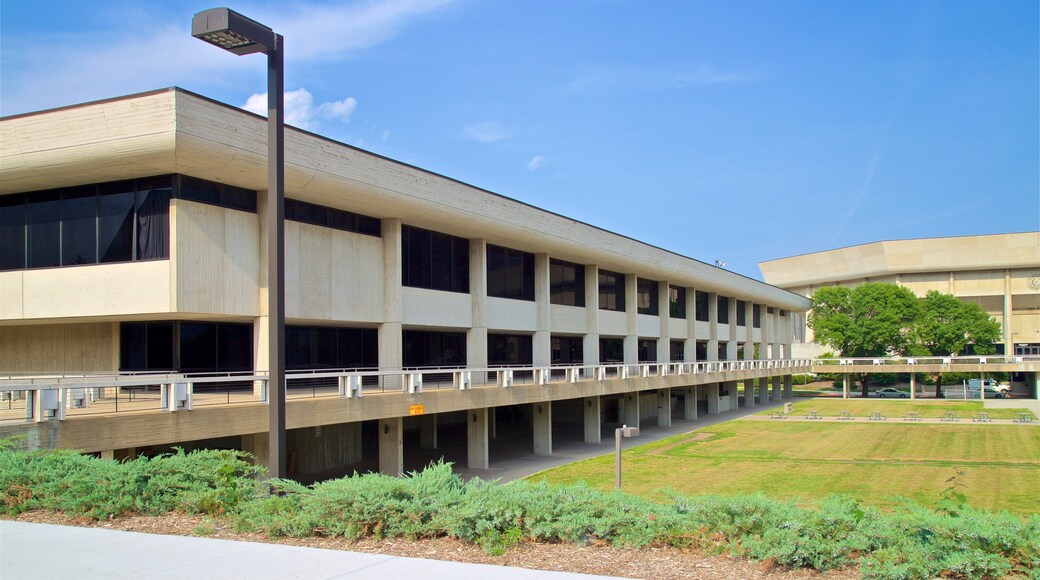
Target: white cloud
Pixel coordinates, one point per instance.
(487, 131)
(640, 79)
(300, 110)
(386, 135)
(338, 109)
(537, 162)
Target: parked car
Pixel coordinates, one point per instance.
(991, 393)
(890, 392)
(973, 384)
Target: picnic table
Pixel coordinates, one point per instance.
(911, 416)
(981, 418)
(777, 414)
(1023, 418)
(950, 416)
(813, 415)
(845, 416)
(877, 416)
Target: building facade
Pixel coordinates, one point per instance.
(130, 243)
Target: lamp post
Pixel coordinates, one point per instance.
(240, 35)
(622, 431)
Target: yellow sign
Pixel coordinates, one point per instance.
(416, 409)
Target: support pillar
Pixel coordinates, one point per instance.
(259, 446)
(712, 393)
(749, 393)
(788, 387)
(734, 400)
(428, 431)
(845, 386)
(391, 446)
(541, 424)
(630, 402)
(477, 439)
(777, 388)
(913, 386)
(593, 429)
(664, 407)
(690, 404)
(493, 422)
(763, 391)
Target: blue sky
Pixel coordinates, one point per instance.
(739, 131)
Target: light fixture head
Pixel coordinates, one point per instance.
(232, 31)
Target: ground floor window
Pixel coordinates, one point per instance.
(677, 350)
(567, 350)
(611, 350)
(510, 349)
(434, 349)
(647, 350)
(186, 346)
(328, 347)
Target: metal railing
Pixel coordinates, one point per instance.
(61, 396)
(925, 360)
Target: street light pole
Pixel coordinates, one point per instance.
(240, 35)
(622, 431)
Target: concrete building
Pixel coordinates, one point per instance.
(131, 250)
(1000, 272)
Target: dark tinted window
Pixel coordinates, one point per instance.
(79, 227)
(676, 302)
(567, 350)
(741, 313)
(647, 350)
(434, 260)
(434, 349)
(327, 347)
(611, 291)
(153, 220)
(44, 230)
(611, 350)
(702, 350)
(216, 193)
(338, 219)
(510, 273)
(12, 232)
(566, 283)
(723, 309)
(160, 346)
(509, 349)
(722, 351)
(198, 346)
(646, 296)
(191, 347)
(701, 299)
(116, 222)
(756, 316)
(677, 351)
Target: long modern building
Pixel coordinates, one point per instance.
(1000, 273)
(131, 253)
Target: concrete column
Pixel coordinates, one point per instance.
(630, 402)
(1009, 343)
(749, 393)
(690, 347)
(913, 384)
(590, 342)
(477, 438)
(493, 422)
(593, 429)
(259, 445)
(110, 454)
(476, 336)
(733, 399)
(541, 424)
(731, 346)
(391, 347)
(541, 343)
(318, 449)
(631, 343)
(664, 301)
(712, 393)
(763, 390)
(776, 388)
(713, 326)
(788, 387)
(428, 431)
(391, 446)
(690, 404)
(845, 386)
(664, 407)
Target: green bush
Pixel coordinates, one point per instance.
(910, 542)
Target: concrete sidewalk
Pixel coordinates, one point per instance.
(43, 551)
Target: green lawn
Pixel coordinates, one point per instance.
(1000, 464)
(896, 408)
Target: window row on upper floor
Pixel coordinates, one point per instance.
(127, 221)
(439, 261)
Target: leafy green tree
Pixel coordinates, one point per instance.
(870, 320)
(949, 326)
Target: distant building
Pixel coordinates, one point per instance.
(999, 272)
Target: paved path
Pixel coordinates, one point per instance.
(892, 419)
(44, 551)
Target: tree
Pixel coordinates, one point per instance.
(871, 320)
(948, 326)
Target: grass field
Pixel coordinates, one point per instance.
(999, 465)
(895, 408)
